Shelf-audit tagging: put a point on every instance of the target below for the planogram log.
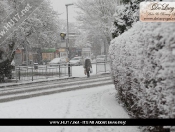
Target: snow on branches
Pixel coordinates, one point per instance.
(125, 15)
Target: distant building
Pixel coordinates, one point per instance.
(22, 56)
(49, 54)
(18, 58)
(74, 52)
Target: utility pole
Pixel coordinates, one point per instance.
(67, 40)
(105, 55)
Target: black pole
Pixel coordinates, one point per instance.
(32, 73)
(69, 69)
(67, 42)
(59, 70)
(105, 55)
(19, 73)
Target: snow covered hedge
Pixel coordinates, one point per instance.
(143, 67)
(125, 15)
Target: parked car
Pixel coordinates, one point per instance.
(57, 61)
(76, 61)
(24, 63)
(13, 65)
(102, 58)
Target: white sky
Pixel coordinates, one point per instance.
(59, 5)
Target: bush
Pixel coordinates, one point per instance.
(126, 14)
(143, 67)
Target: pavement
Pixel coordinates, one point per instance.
(14, 82)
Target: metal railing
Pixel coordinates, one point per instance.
(31, 73)
(102, 67)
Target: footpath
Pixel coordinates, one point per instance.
(22, 90)
(13, 82)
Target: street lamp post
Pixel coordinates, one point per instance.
(67, 40)
(105, 61)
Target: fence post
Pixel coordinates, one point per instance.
(59, 71)
(69, 69)
(16, 74)
(96, 66)
(46, 71)
(52, 72)
(105, 63)
(105, 66)
(32, 73)
(27, 72)
(19, 73)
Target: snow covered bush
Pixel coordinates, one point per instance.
(6, 56)
(143, 69)
(125, 15)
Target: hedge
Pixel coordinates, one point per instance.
(143, 69)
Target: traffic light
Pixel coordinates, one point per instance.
(63, 35)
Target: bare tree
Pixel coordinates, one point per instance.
(96, 16)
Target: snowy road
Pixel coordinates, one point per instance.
(96, 102)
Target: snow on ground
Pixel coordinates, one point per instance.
(78, 71)
(96, 102)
